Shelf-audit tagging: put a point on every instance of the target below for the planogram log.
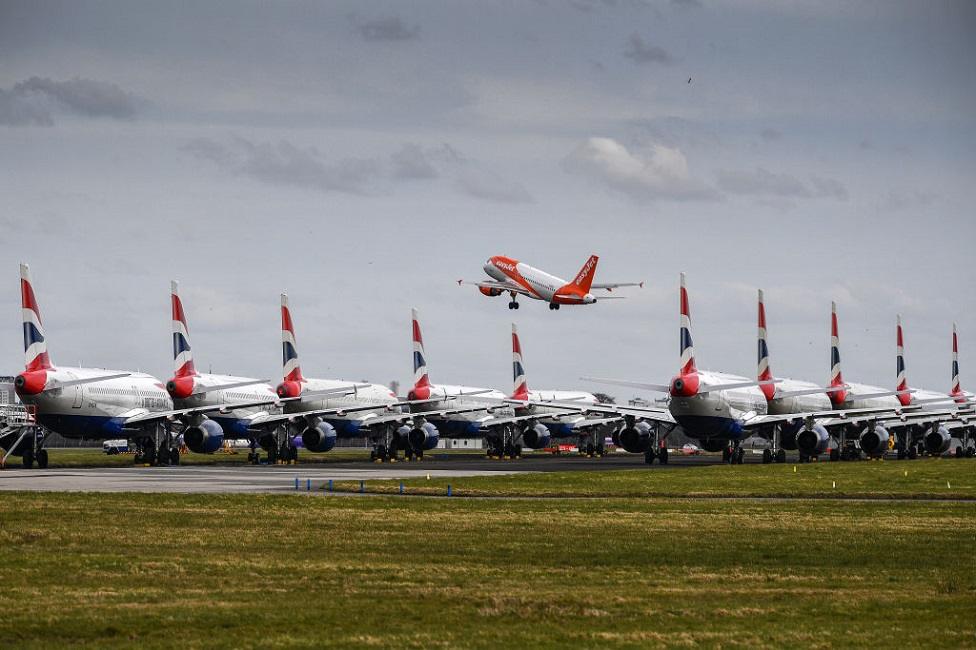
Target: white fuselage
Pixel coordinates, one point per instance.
(811, 403)
(238, 419)
(853, 402)
(96, 410)
(371, 395)
(718, 414)
(542, 284)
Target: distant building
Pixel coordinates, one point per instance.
(7, 393)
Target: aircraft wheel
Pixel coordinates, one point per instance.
(649, 456)
(662, 456)
(293, 453)
(174, 456)
(959, 452)
(42, 459)
(726, 455)
(912, 453)
(28, 458)
(767, 456)
(272, 455)
(781, 456)
(740, 455)
(970, 452)
(150, 455)
(162, 454)
(511, 305)
(516, 305)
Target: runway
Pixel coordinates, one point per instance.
(217, 479)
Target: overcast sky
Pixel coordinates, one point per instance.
(363, 156)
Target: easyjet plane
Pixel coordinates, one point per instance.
(517, 278)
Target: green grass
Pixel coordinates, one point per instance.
(934, 478)
(113, 570)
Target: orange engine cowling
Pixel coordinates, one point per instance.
(490, 291)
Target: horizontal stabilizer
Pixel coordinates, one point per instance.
(203, 390)
(55, 385)
(660, 388)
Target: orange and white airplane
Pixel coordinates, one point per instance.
(517, 278)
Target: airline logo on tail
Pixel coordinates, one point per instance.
(687, 347)
(182, 354)
(521, 390)
(35, 345)
(836, 378)
(289, 353)
(901, 380)
(420, 379)
(584, 279)
(763, 372)
(956, 390)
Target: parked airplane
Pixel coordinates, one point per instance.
(555, 418)
(466, 411)
(90, 403)
(517, 278)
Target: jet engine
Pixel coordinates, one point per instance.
(813, 441)
(635, 439)
(537, 436)
(874, 440)
(489, 291)
(180, 387)
(424, 437)
(320, 438)
(937, 440)
(204, 438)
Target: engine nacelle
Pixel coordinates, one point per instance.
(937, 440)
(320, 438)
(289, 389)
(424, 437)
(635, 439)
(685, 385)
(537, 436)
(813, 441)
(489, 291)
(204, 438)
(874, 440)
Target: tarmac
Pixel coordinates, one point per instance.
(215, 479)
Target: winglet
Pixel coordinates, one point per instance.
(35, 344)
(182, 353)
(291, 370)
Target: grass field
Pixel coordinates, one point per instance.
(112, 570)
(933, 478)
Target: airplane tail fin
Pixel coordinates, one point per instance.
(35, 345)
(956, 389)
(687, 347)
(521, 387)
(291, 370)
(901, 379)
(836, 377)
(182, 353)
(420, 379)
(763, 371)
(585, 276)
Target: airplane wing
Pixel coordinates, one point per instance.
(665, 388)
(610, 286)
(279, 418)
(501, 286)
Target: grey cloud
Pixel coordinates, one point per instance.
(687, 4)
(762, 182)
(411, 161)
(485, 184)
(35, 100)
(662, 173)
(286, 164)
(640, 52)
(769, 134)
(902, 199)
(829, 188)
(390, 28)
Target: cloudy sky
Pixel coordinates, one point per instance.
(363, 156)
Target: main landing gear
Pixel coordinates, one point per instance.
(33, 438)
(513, 304)
(554, 306)
(734, 454)
(589, 446)
(158, 449)
(775, 454)
(506, 444)
(657, 447)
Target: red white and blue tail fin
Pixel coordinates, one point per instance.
(584, 279)
(420, 379)
(35, 345)
(290, 369)
(687, 347)
(763, 371)
(836, 377)
(182, 354)
(901, 379)
(956, 390)
(521, 387)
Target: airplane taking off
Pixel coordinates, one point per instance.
(517, 278)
